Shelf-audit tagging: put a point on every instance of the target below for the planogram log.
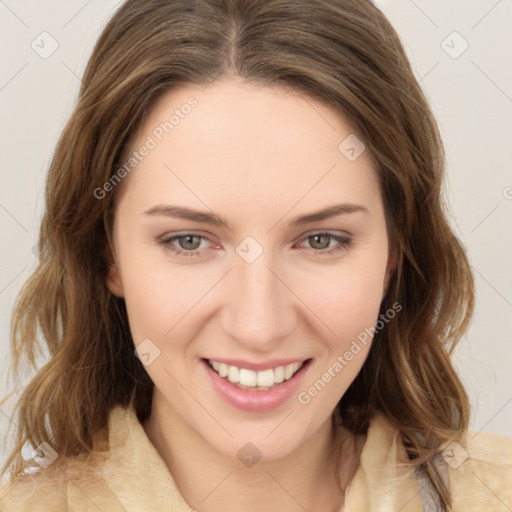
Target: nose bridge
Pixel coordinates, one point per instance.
(260, 308)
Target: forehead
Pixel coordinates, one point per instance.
(249, 144)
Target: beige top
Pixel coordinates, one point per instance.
(133, 476)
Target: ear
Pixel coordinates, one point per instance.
(113, 278)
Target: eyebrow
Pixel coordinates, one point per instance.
(182, 212)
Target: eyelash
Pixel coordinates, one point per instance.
(344, 243)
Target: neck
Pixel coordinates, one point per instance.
(305, 479)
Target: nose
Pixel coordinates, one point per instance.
(259, 311)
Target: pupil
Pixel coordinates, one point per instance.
(187, 241)
(319, 237)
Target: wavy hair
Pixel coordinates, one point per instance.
(344, 53)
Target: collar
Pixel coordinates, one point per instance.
(137, 474)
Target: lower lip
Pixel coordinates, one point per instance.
(256, 401)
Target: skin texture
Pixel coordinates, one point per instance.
(257, 157)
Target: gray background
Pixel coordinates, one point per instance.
(470, 92)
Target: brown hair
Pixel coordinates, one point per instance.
(342, 52)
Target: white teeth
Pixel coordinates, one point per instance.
(250, 379)
(223, 369)
(247, 377)
(265, 378)
(288, 371)
(233, 372)
(279, 374)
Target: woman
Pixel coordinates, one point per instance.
(247, 281)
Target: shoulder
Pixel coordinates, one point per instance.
(72, 483)
(479, 467)
(61, 486)
(126, 472)
(480, 471)
(41, 489)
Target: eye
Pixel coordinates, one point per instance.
(188, 244)
(321, 241)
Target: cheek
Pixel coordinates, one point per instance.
(347, 301)
(157, 299)
(349, 305)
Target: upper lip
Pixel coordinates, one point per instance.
(266, 365)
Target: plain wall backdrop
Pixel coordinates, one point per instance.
(459, 51)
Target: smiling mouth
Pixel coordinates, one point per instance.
(262, 380)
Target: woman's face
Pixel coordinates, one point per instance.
(225, 260)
